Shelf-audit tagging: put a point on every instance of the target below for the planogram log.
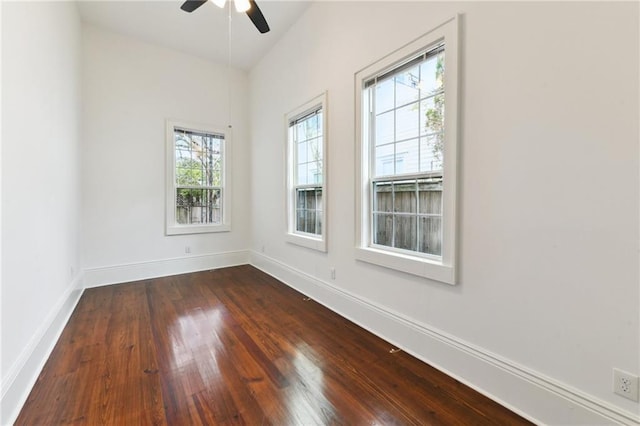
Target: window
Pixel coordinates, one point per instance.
(197, 179)
(407, 157)
(306, 188)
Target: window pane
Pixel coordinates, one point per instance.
(315, 149)
(179, 139)
(431, 74)
(301, 152)
(319, 122)
(216, 174)
(314, 172)
(385, 160)
(301, 199)
(319, 223)
(384, 128)
(431, 152)
(382, 197)
(183, 175)
(430, 198)
(310, 225)
(430, 229)
(308, 127)
(301, 178)
(396, 210)
(407, 157)
(314, 167)
(300, 220)
(215, 145)
(405, 232)
(432, 115)
(407, 122)
(198, 159)
(308, 210)
(384, 96)
(216, 205)
(300, 131)
(198, 206)
(182, 148)
(188, 172)
(404, 195)
(311, 127)
(407, 83)
(383, 229)
(310, 195)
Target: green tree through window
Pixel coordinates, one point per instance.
(198, 177)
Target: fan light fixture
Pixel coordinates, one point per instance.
(241, 5)
(248, 6)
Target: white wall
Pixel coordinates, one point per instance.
(40, 185)
(549, 290)
(549, 281)
(129, 89)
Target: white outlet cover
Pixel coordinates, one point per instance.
(625, 384)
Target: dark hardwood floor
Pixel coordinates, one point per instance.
(236, 346)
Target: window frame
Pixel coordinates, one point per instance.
(171, 226)
(441, 268)
(304, 239)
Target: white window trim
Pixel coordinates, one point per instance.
(171, 227)
(316, 242)
(443, 270)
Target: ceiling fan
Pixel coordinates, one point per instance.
(248, 6)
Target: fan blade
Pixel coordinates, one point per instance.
(191, 5)
(257, 17)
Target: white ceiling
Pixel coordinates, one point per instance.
(203, 32)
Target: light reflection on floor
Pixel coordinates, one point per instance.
(196, 332)
(306, 402)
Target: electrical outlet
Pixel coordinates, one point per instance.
(332, 271)
(187, 249)
(625, 384)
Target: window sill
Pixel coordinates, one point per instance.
(413, 265)
(196, 229)
(308, 242)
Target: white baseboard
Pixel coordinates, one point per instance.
(23, 374)
(536, 397)
(541, 399)
(95, 277)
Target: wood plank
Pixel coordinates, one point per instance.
(235, 346)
